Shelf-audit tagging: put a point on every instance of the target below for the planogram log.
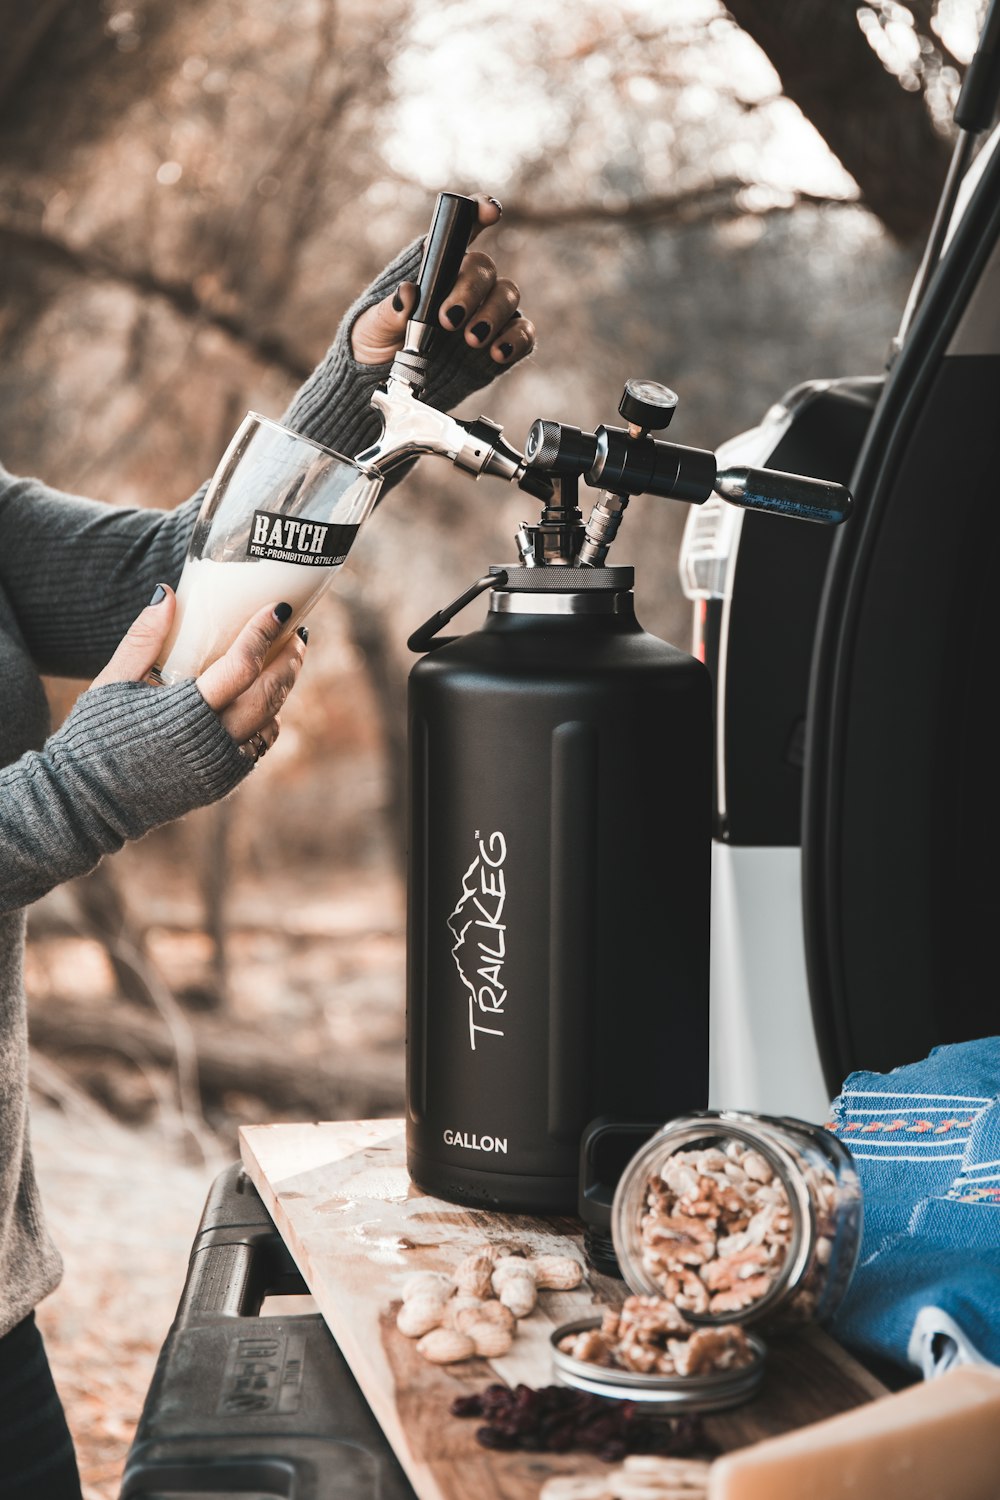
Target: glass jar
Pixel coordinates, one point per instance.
(740, 1218)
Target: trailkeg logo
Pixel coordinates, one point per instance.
(481, 938)
(315, 544)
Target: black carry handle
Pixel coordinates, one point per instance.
(242, 1404)
(425, 637)
(790, 495)
(238, 1258)
(454, 220)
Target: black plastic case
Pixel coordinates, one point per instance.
(251, 1407)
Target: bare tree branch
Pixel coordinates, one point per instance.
(25, 29)
(923, 13)
(345, 1086)
(713, 202)
(48, 250)
(882, 133)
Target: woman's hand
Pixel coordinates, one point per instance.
(244, 687)
(482, 306)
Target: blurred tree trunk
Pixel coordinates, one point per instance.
(104, 915)
(214, 877)
(63, 66)
(372, 634)
(27, 31)
(882, 133)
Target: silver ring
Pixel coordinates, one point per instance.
(254, 748)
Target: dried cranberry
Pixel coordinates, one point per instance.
(533, 1442)
(489, 1437)
(559, 1419)
(467, 1406)
(496, 1398)
(560, 1439)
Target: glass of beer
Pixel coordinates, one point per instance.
(278, 520)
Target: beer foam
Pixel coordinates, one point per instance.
(216, 599)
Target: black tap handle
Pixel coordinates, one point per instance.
(447, 241)
(785, 494)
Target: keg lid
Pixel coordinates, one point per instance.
(562, 580)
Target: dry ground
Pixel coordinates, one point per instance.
(123, 1207)
(317, 972)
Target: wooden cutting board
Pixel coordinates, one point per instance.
(356, 1225)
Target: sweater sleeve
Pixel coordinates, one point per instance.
(334, 405)
(128, 757)
(77, 572)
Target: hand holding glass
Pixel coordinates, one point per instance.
(276, 525)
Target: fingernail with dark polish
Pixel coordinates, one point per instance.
(397, 301)
(282, 613)
(496, 204)
(159, 594)
(303, 634)
(455, 315)
(506, 350)
(480, 329)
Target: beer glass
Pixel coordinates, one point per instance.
(278, 520)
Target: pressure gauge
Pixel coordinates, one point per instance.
(647, 404)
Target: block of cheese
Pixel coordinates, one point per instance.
(939, 1440)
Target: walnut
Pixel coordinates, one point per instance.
(643, 1328)
(633, 1354)
(679, 1239)
(714, 1221)
(590, 1345)
(724, 1272)
(741, 1295)
(650, 1336)
(652, 1313)
(714, 1349)
(679, 1176)
(687, 1291)
(756, 1167)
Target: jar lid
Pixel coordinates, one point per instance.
(716, 1390)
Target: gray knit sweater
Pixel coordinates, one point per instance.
(73, 575)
